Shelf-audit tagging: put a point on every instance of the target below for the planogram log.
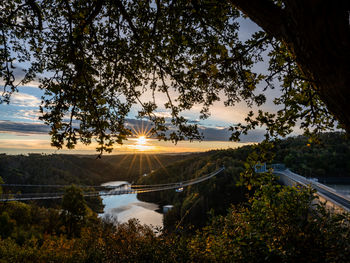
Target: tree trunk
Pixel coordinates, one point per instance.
(317, 33)
(320, 41)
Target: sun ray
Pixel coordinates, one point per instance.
(140, 137)
(126, 156)
(149, 163)
(160, 163)
(140, 166)
(136, 132)
(131, 165)
(142, 131)
(148, 131)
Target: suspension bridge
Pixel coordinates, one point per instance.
(105, 190)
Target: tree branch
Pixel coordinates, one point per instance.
(37, 12)
(265, 14)
(96, 10)
(126, 16)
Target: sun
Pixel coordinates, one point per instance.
(141, 140)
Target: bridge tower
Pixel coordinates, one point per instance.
(260, 168)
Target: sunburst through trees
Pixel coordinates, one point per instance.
(141, 142)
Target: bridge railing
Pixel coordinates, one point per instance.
(278, 166)
(116, 191)
(287, 177)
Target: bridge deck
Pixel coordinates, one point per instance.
(327, 193)
(116, 190)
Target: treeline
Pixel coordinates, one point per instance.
(54, 169)
(328, 156)
(80, 170)
(22, 222)
(65, 170)
(279, 224)
(224, 219)
(192, 206)
(130, 167)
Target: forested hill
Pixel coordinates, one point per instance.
(130, 167)
(328, 157)
(216, 194)
(87, 170)
(259, 223)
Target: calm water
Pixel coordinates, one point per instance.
(125, 207)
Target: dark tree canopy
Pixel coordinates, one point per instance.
(73, 210)
(95, 59)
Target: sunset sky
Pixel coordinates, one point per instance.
(22, 132)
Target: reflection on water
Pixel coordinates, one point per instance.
(125, 207)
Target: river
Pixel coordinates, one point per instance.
(125, 207)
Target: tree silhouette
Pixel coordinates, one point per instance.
(73, 210)
(97, 58)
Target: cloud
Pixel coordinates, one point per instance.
(193, 121)
(23, 127)
(24, 100)
(219, 133)
(19, 73)
(210, 133)
(25, 143)
(167, 116)
(32, 115)
(223, 134)
(164, 114)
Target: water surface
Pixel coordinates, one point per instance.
(125, 207)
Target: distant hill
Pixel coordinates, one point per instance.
(263, 222)
(130, 167)
(217, 194)
(327, 158)
(79, 169)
